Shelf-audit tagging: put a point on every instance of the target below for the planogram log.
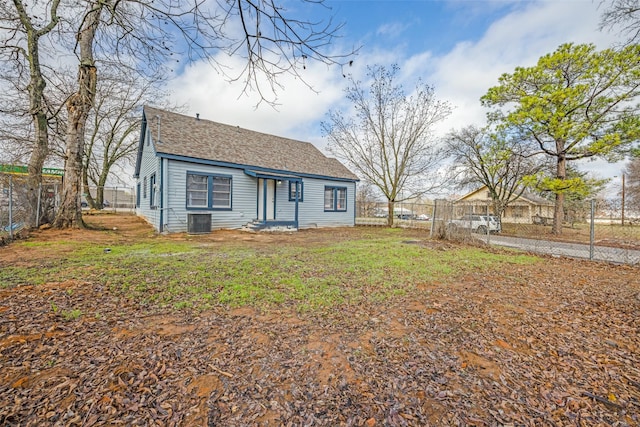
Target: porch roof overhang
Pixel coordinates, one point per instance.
(272, 175)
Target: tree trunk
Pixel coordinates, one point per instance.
(558, 212)
(38, 155)
(78, 107)
(390, 215)
(41, 149)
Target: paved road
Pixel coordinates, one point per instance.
(574, 250)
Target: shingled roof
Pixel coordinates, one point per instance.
(188, 136)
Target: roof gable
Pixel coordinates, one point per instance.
(186, 136)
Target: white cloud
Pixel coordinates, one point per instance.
(299, 109)
(461, 76)
(215, 98)
(393, 29)
(518, 39)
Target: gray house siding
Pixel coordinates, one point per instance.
(243, 197)
(244, 194)
(250, 166)
(149, 165)
(311, 210)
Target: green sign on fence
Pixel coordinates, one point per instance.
(23, 170)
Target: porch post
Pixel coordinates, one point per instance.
(297, 198)
(264, 200)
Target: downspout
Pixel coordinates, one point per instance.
(160, 227)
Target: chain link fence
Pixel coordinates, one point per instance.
(15, 207)
(595, 230)
(406, 214)
(115, 199)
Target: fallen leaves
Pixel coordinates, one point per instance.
(551, 346)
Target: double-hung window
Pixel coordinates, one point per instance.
(335, 199)
(292, 191)
(206, 191)
(221, 192)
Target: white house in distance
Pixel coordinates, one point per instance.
(196, 175)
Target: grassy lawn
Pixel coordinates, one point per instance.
(373, 265)
(363, 326)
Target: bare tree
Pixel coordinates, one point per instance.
(498, 161)
(144, 37)
(78, 106)
(625, 15)
(21, 45)
(113, 129)
(272, 44)
(389, 139)
(366, 201)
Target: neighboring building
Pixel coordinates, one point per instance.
(525, 209)
(196, 175)
(113, 197)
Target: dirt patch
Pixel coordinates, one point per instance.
(550, 344)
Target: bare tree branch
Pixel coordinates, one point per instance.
(389, 141)
(623, 15)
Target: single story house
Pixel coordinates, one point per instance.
(196, 175)
(524, 209)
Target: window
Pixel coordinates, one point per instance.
(152, 190)
(221, 190)
(144, 188)
(208, 191)
(197, 189)
(292, 191)
(518, 211)
(335, 199)
(138, 195)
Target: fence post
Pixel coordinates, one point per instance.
(433, 218)
(488, 225)
(10, 207)
(592, 229)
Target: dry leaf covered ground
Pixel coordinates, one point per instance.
(549, 343)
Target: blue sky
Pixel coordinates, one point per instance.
(416, 25)
(459, 47)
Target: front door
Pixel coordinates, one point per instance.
(270, 199)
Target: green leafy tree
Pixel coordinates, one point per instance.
(632, 185)
(575, 103)
(578, 188)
